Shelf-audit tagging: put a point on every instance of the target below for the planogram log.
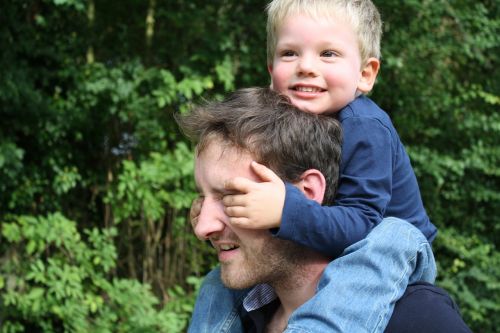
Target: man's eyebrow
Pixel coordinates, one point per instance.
(220, 190)
(215, 190)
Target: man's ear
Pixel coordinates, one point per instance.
(368, 75)
(313, 184)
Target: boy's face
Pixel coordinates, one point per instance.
(317, 64)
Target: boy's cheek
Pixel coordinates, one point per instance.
(278, 83)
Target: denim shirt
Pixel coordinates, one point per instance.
(356, 292)
(423, 308)
(217, 309)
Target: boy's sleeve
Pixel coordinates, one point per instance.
(363, 194)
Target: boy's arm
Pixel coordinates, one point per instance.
(358, 290)
(363, 194)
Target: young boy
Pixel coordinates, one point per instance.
(324, 55)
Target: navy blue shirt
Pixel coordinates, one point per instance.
(376, 181)
(424, 308)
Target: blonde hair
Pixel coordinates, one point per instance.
(361, 14)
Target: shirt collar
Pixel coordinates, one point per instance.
(259, 296)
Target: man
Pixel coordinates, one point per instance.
(260, 125)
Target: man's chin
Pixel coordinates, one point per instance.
(233, 280)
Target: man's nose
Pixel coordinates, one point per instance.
(307, 66)
(211, 219)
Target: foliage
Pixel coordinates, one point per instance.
(96, 178)
(470, 270)
(55, 279)
(444, 64)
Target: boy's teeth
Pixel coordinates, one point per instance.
(307, 89)
(227, 247)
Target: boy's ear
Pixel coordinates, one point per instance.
(313, 184)
(368, 75)
(270, 70)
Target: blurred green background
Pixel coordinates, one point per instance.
(96, 179)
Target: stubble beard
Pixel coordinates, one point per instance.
(275, 262)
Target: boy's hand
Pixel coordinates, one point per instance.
(257, 205)
(195, 211)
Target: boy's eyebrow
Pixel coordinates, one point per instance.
(285, 44)
(292, 43)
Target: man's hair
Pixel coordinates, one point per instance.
(363, 16)
(276, 133)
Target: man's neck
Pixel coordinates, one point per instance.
(295, 290)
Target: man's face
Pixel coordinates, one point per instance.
(317, 63)
(247, 257)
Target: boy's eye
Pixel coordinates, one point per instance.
(287, 53)
(329, 54)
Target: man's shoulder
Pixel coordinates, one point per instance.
(426, 308)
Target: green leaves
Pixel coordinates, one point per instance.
(77, 4)
(468, 270)
(53, 278)
(98, 144)
(439, 81)
(159, 182)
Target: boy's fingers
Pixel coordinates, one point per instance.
(194, 222)
(239, 221)
(195, 211)
(238, 184)
(197, 202)
(244, 222)
(195, 208)
(264, 172)
(235, 211)
(233, 200)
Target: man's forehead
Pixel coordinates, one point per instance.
(218, 148)
(217, 163)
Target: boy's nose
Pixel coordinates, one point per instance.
(306, 66)
(211, 219)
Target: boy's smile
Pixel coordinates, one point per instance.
(317, 63)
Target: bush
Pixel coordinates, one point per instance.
(87, 94)
(53, 279)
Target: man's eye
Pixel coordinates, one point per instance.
(218, 196)
(329, 54)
